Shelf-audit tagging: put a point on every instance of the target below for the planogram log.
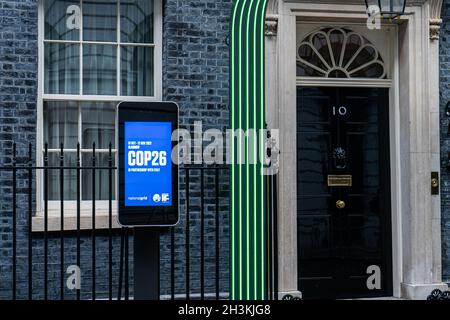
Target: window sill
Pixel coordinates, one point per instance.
(70, 222)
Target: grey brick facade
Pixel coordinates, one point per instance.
(196, 76)
(18, 96)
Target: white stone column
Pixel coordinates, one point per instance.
(280, 92)
(422, 268)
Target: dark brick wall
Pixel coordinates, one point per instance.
(18, 95)
(18, 73)
(445, 138)
(196, 59)
(196, 76)
(195, 67)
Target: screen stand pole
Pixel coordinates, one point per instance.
(146, 264)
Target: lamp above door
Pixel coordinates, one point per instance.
(389, 9)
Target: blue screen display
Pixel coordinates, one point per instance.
(148, 164)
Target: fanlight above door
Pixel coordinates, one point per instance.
(339, 53)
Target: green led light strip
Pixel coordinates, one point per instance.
(248, 220)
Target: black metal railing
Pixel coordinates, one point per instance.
(194, 255)
(204, 204)
(19, 181)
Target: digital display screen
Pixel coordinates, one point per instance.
(148, 164)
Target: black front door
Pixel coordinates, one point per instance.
(343, 202)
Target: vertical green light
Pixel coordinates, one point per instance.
(249, 48)
(262, 84)
(233, 126)
(248, 221)
(241, 156)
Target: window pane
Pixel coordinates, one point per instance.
(101, 177)
(99, 70)
(136, 21)
(69, 176)
(137, 71)
(62, 68)
(100, 20)
(392, 5)
(61, 124)
(62, 19)
(98, 124)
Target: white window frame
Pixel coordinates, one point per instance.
(70, 207)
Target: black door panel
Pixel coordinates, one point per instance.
(343, 132)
